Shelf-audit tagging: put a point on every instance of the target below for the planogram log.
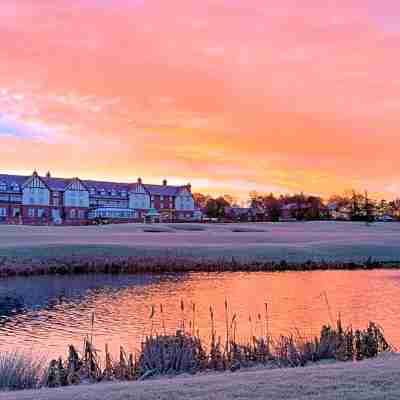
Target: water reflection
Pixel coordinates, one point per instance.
(46, 314)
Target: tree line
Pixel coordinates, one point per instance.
(357, 206)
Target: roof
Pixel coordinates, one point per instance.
(98, 185)
(56, 183)
(10, 179)
(163, 190)
(60, 184)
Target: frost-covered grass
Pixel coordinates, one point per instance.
(373, 379)
(20, 371)
(293, 242)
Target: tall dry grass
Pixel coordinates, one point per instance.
(186, 352)
(20, 371)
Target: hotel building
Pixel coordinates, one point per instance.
(40, 200)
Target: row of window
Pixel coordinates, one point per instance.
(103, 192)
(40, 213)
(39, 201)
(76, 202)
(117, 214)
(15, 212)
(80, 214)
(14, 187)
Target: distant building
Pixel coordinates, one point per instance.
(245, 214)
(40, 200)
(339, 212)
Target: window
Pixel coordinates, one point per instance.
(3, 212)
(113, 192)
(3, 187)
(102, 192)
(81, 214)
(93, 191)
(72, 214)
(56, 201)
(82, 202)
(123, 193)
(15, 187)
(31, 212)
(40, 212)
(16, 212)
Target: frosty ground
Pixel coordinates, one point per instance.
(372, 380)
(293, 242)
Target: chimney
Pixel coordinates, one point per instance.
(48, 175)
(164, 182)
(139, 181)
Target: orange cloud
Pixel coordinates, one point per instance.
(233, 95)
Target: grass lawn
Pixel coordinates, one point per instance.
(294, 242)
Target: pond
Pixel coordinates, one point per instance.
(45, 314)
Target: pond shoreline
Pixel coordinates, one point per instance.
(67, 265)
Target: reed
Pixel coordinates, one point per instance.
(186, 352)
(20, 371)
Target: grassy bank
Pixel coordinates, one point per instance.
(26, 250)
(87, 264)
(373, 379)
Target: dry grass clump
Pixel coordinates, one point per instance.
(248, 230)
(171, 354)
(20, 371)
(188, 227)
(157, 229)
(186, 352)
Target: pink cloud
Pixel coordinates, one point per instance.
(309, 92)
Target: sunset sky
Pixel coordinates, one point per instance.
(231, 95)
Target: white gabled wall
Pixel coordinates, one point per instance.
(35, 192)
(184, 201)
(76, 195)
(139, 198)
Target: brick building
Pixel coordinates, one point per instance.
(40, 200)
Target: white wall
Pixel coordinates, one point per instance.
(184, 201)
(76, 198)
(36, 196)
(139, 200)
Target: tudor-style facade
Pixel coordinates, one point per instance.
(46, 200)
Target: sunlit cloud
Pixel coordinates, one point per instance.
(233, 96)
